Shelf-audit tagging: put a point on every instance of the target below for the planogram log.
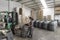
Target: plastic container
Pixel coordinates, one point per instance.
(52, 26)
(45, 24)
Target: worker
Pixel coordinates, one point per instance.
(31, 20)
(5, 20)
(31, 26)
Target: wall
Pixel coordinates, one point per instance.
(40, 14)
(34, 14)
(57, 13)
(57, 10)
(57, 17)
(3, 5)
(49, 11)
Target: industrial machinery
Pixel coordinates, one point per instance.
(4, 33)
(14, 16)
(8, 20)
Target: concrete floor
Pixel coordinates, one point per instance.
(40, 34)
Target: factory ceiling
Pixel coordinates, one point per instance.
(36, 4)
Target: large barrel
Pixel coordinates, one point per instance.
(34, 23)
(37, 24)
(52, 26)
(45, 24)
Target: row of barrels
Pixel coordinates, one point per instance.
(48, 25)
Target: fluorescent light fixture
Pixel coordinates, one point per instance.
(43, 3)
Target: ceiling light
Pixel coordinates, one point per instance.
(43, 3)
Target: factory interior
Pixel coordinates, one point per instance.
(29, 20)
